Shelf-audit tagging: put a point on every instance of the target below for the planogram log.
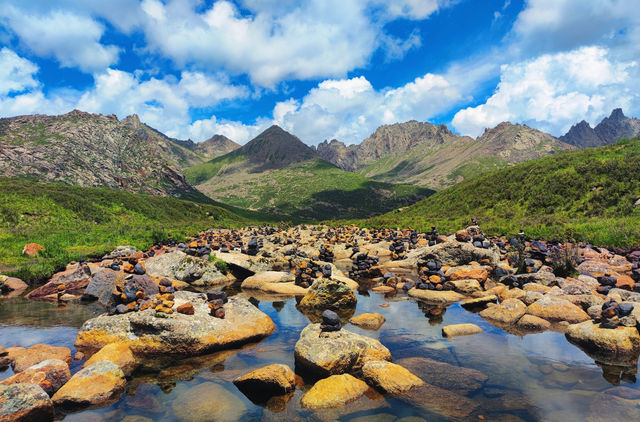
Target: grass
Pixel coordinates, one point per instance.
(73, 222)
(581, 195)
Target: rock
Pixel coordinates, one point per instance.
(616, 346)
(24, 403)
(335, 352)
(456, 253)
(143, 283)
(328, 294)
(556, 309)
(118, 353)
(370, 321)
(50, 375)
(99, 384)
(12, 285)
(330, 321)
(479, 302)
(467, 286)
(177, 333)
(186, 309)
(335, 391)
(180, 266)
(101, 286)
(444, 375)
(208, 402)
(38, 353)
(465, 272)
(436, 297)
(449, 404)
(32, 249)
(121, 252)
(75, 279)
(274, 282)
(389, 378)
(507, 312)
(272, 380)
(457, 330)
(533, 323)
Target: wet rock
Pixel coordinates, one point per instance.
(50, 375)
(99, 384)
(457, 330)
(389, 378)
(533, 323)
(327, 353)
(24, 403)
(556, 309)
(369, 321)
(328, 294)
(443, 297)
(118, 353)
(147, 334)
(335, 391)
(441, 374)
(480, 302)
(272, 380)
(620, 345)
(274, 282)
(180, 266)
(448, 404)
(466, 272)
(12, 286)
(22, 359)
(467, 286)
(507, 312)
(208, 402)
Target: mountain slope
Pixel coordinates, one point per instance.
(608, 131)
(213, 147)
(588, 195)
(428, 155)
(277, 173)
(93, 150)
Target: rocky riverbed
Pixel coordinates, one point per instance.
(328, 323)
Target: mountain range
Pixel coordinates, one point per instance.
(608, 131)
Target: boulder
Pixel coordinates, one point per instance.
(370, 321)
(457, 330)
(443, 375)
(118, 353)
(389, 378)
(335, 391)
(455, 253)
(615, 346)
(12, 286)
(121, 252)
(555, 309)
(479, 302)
(533, 323)
(99, 384)
(274, 282)
(50, 375)
(253, 264)
(208, 402)
(23, 359)
(272, 380)
(190, 269)
(328, 294)
(75, 279)
(508, 312)
(338, 352)
(149, 334)
(436, 297)
(449, 404)
(467, 286)
(101, 286)
(466, 272)
(24, 403)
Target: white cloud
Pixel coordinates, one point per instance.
(554, 91)
(16, 73)
(74, 40)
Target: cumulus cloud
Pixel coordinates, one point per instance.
(73, 40)
(554, 91)
(16, 73)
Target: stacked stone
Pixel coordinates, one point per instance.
(433, 236)
(398, 249)
(326, 254)
(614, 314)
(295, 252)
(431, 276)
(512, 282)
(479, 241)
(216, 303)
(307, 272)
(607, 282)
(362, 265)
(252, 247)
(330, 321)
(413, 239)
(390, 279)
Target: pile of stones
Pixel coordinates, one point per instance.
(431, 276)
(513, 282)
(253, 247)
(326, 254)
(413, 239)
(330, 322)
(128, 299)
(614, 314)
(362, 265)
(634, 258)
(607, 282)
(195, 248)
(308, 271)
(216, 300)
(293, 252)
(398, 249)
(390, 279)
(433, 237)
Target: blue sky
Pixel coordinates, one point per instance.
(322, 69)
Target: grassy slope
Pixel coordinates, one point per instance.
(311, 190)
(72, 222)
(585, 195)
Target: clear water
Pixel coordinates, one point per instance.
(530, 378)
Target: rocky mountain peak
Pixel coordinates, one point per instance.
(617, 115)
(276, 148)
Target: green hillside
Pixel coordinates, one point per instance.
(72, 222)
(583, 195)
(308, 190)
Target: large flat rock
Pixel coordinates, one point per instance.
(148, 334)
(614, 346)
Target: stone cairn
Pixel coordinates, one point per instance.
(433, 236)
(390, 279)
(431, 276)
(216, 300)
(326, 254)
(607, 282)
(330, 322)
(362, 265)
(130, 299)
(253, 247)
(397, 248)
(308, 271)
(614, 314)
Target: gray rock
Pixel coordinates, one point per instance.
(179, 266)
(102, 284)
(457, 253)
(121, 252)
(25, 403)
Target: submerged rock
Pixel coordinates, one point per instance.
(208, 402)
(389, 378)
(556, 309)
(444, 375)
(370, 321)
(336, 352)
(615, 346)
(178, 334)
(24, 403)
(457, 330)
(335, 391)
(23, 359)
(507, 312)
(118, 353)
(99, 384)
(50, 375)
(272, 380)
